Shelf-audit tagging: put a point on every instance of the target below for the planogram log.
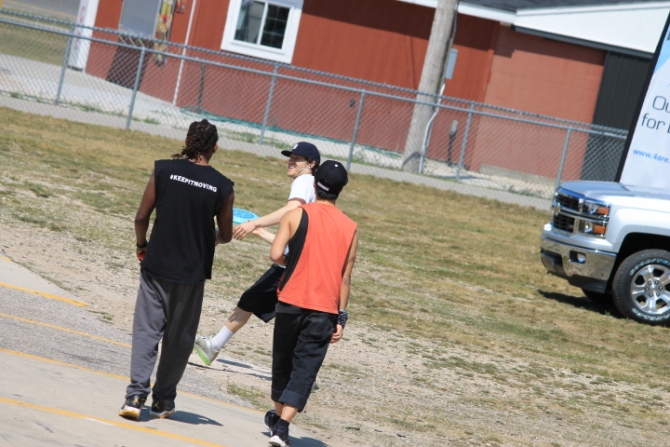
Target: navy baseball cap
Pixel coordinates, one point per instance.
(307, 150)
(331, 176)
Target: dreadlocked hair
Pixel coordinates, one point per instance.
(201, 138)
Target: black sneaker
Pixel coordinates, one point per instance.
(162, 409)
(280, 439)
(271, 419)
(132, 407)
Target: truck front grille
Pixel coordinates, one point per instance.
(564, 223)
(574, 213)
(563, 201)
(567, 201)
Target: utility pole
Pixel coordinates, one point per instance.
(431, 79)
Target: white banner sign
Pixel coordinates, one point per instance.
(648, 158)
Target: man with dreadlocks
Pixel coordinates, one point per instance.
(187, 194)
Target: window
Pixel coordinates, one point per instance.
(264, 29)
(140, 17)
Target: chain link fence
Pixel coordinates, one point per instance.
(155, 82)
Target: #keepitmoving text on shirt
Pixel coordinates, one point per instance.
(188, 181)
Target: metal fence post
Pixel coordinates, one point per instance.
(355, 135)
(269, 103)
(66, 58)
(138, 75)
(201, 86)
(563, 155)
(465, 142)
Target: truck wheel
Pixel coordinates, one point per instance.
(640, 287)
(598, 298)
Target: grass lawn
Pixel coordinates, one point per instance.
(28, 43)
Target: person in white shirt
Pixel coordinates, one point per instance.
(261, 298)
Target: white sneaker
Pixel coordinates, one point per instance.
(203, 347)
(280, 440)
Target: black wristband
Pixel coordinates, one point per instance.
(342, 317)
(142, 247)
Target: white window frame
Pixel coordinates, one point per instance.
(284, 54)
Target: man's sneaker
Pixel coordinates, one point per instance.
(161, 409)
(132, 407)
(280, 439)
(271, 419)
(203, 347)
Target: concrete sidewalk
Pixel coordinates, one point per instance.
(63, 373)
(50, 403)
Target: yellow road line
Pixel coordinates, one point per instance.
(43, 294)
(57, 362)
(116, 376)
(5, 258)
(135, 427)
(64, 329)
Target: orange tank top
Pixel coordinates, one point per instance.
(315, 280)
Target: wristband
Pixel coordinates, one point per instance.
(142, 247)
(342, 317)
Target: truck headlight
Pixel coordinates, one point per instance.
(595, 208)
(592, 228)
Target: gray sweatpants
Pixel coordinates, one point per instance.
(169, 310)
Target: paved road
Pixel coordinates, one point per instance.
(63, 374)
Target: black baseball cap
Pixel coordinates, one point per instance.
(331, 176)
(307, 150)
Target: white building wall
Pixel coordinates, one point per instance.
(633, 26)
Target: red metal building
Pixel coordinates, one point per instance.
(531, 68)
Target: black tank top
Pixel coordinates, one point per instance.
(188, 197)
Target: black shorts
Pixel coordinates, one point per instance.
(261, 298)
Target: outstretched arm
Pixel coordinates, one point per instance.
(264, 234)
(243, 230)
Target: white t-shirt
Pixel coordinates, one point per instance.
(303, 188)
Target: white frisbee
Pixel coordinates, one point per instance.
(240, 216)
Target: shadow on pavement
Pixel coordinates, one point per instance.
(237, 368)
(307, 442)
(232, 363)
(193, 419)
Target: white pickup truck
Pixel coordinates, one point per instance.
(613, 242)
